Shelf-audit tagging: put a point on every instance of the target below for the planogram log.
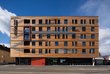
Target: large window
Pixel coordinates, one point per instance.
(40, 36)
(26, 21)
(26, 30)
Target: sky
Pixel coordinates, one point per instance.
(99, 8)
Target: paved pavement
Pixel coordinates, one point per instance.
(26, 69)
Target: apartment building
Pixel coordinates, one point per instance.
(54, 40)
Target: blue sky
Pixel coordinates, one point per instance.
(99, 8)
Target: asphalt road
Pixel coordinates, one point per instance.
(23, 69)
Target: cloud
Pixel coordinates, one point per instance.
(100, 8)
(5, 16)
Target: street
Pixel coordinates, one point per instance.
(67, 69)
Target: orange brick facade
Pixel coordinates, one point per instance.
(54, 37)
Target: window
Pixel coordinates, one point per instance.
(26, 43)
(83, 36)
(56, 50)
(33, 43)
(93, 21)
(66, 28)
(66, 36)
(40, 28)
(40, 36)
(58, 28)
(83, 43)
(92, 50)
(74, 51)
(75, 21)
(33, 21)
(40, 43)
(83, 51)
(58, 21)
(65, 43)
(73, 28)
(74, 43)
(46, 21)
(56, 43)
(26, 21)
(55, 28)
(92, 36)
(73, 36)
(83, 28)
(26, 37)
(92, 29)
(40, 21)
(40, 51)
(48, 36)
(47, 43)
(33, 36)
(81, 21)
(63, 36)
(84, 21)
(33, 51)
(33, 28)
(65, 51)
(91, 43)
(26, 50)
(46, 51)
(90, 21)
(65, 21)
(48, 28)
(26, 30)
(58, 36)
(63, 29)
(49, 51)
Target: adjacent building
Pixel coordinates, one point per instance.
(5, 55)
(54, 40)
